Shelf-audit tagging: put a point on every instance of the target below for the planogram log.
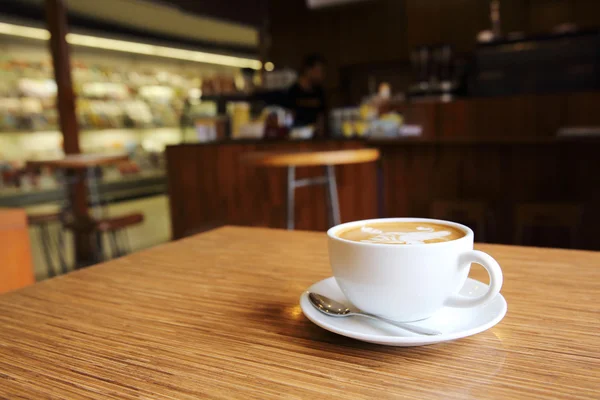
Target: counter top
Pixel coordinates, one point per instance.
(410, 141)
(190, 319)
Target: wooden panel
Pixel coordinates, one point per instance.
(548, 114)
(16, 265)
(514, 116)
(500, 174)
(583, 109)
(211, 185)
(514, 15)
(460, 22)
(456, 119)
(423, 24)
(544, 15)
(586, 13)
(424, 114)
(503, 117)
(190, 320)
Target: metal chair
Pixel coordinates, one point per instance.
(114, 227)
(43, 223)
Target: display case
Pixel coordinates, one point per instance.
(124, 102)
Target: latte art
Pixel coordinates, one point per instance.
(406, 233)
(422, 235)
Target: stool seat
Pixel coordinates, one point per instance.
(121, 222)
(115, 227)
(326, 159)
(312, 158)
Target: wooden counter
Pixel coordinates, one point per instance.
(216, 316)
(209, 186)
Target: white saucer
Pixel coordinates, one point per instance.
(454, 323)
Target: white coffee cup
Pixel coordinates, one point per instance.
(408, 282)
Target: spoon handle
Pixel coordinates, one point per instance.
(407, 327)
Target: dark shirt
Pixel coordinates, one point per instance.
(307, 105)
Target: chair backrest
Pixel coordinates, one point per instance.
(548, 224)
(16, 265)
(472, 213)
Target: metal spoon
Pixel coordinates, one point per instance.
(335, 309)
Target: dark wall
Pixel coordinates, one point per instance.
(382, 32)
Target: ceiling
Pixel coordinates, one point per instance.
(247, 12)
(195, 20)
(166, 19)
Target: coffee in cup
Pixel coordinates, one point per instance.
(406, 269)
(402, 233)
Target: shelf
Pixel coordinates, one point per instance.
(57, 130)
(143, 184)
(260, 95)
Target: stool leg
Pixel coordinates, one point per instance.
(329, 201)
(333, 195)
(60, 247)
(291, 180)
(126, 246)
(380, 189)
(114, 246)
(45, 238)
(94, 192)
(98, 248)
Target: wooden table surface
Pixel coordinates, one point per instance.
(81, 161)
(217, 316)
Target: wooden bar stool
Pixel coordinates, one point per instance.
(326, 159)
(88, 227)
(115, 228)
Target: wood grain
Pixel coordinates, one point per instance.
(312, 158)
(192, 319)
(80, 161)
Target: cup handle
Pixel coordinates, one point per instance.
(493, 269)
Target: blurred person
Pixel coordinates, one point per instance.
(306, 97)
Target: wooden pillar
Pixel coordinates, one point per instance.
(56, 19)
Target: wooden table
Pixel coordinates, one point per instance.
(217, 316)
(79, 176)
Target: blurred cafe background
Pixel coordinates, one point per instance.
(128, 123)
